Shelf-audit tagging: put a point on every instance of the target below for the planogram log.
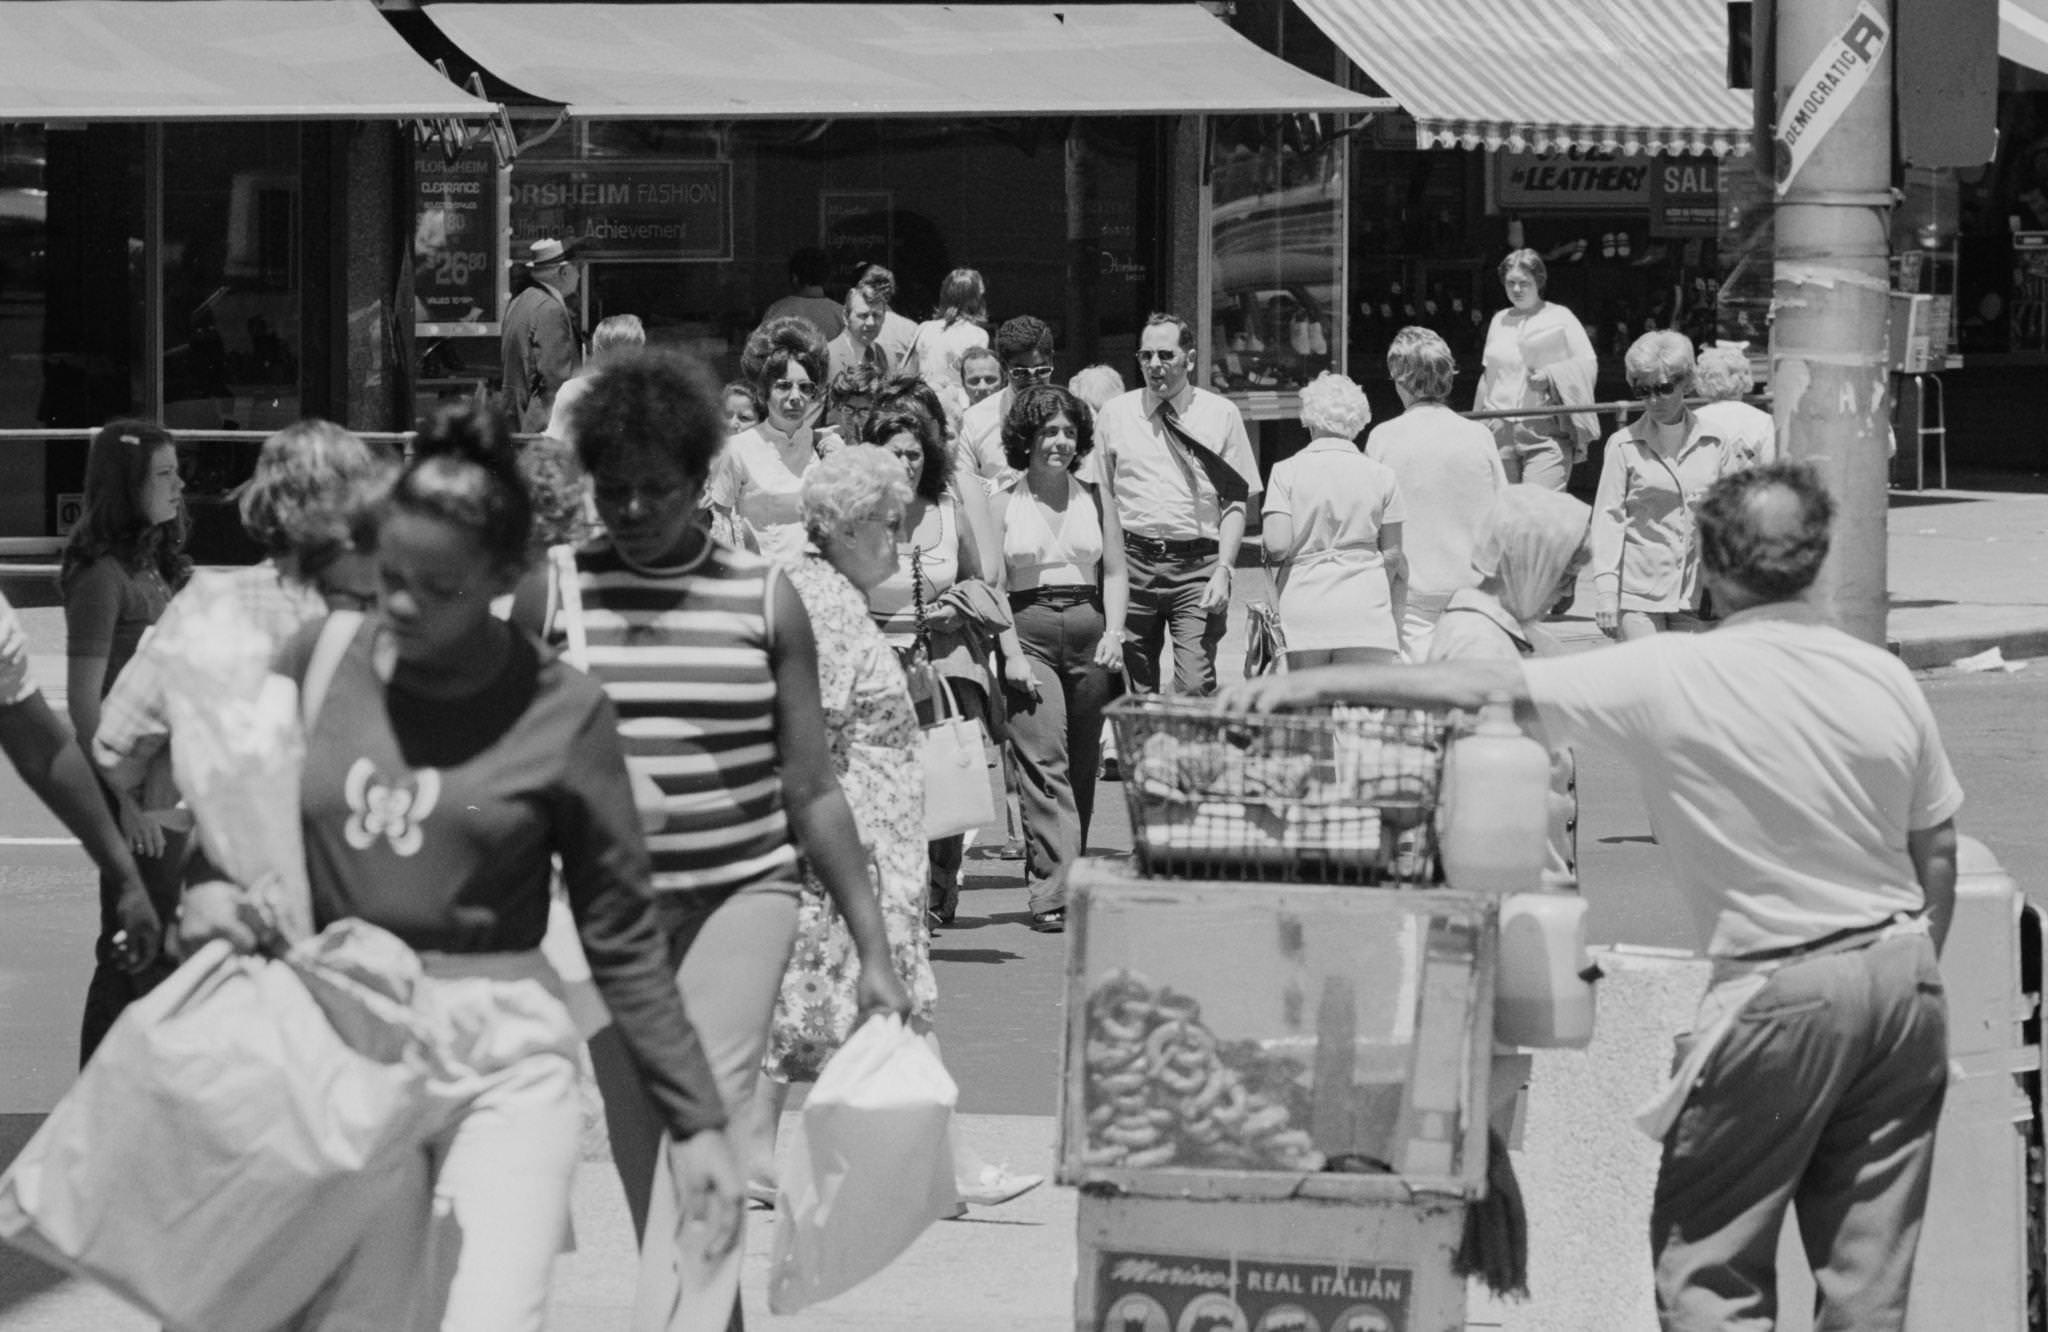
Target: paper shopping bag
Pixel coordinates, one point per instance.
(869, 1168)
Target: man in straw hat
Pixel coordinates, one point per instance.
(541, 349)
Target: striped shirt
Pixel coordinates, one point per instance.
(683, 654)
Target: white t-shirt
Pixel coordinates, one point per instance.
(1450, 475)
(1783, 763)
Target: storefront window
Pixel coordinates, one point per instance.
(692, 227)
(231, 275)
(71, 239)
(1276, 246)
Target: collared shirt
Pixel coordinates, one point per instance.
(981, 434)
(1450, 475)
(16, 684)
(759, 477)
(1646, 552)
(1160, 491)
(135, 719)
(1783, 763)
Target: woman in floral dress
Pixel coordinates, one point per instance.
(852, 503)
(850, 509)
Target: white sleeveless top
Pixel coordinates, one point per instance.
(1040, 555)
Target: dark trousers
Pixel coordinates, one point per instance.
(1166, 594)
(1056, 739)
(1825, 1097)
(112, 989)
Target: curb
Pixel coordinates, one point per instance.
(1933, 652)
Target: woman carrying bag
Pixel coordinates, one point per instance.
(941, 608)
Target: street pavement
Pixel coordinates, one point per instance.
(1969, 569)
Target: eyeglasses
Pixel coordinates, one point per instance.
(1659, 389)
(1032, 374)
(809, 388)
(1161, 356)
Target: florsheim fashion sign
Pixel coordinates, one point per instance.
(626, 210)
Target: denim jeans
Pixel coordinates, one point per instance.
(1056, 740)
(1824, 1097)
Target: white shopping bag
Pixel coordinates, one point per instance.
(242, 1124)
(870, 1166)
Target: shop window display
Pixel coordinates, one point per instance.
(1276, 227)
(1061, 217)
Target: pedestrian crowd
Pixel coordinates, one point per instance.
(664, 673)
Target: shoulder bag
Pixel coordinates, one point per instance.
(956, 790)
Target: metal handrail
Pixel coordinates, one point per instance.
(1574, 408)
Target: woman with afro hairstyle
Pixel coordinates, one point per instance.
(1063, 560)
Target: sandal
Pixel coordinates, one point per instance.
(1053, 921)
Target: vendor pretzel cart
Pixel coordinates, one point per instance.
(1281, 1021)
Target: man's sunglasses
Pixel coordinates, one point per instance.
(1035, 374)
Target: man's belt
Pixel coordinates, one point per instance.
(1856, 936)
(1158, 548)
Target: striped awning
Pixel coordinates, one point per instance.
(1550, 75)
(2023, 32)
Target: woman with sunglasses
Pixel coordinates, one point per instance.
(755, 482)
(1537, 355)
(1646, 559)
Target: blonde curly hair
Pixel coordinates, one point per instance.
(1333, 405)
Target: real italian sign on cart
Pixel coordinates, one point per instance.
(1814, 104)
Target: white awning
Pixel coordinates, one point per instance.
(1550, 75)
(215, 60)
(732, 61)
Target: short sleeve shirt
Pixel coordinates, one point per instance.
(1338, 498)
(1160, 491)
(1783, 762)
(16, 684)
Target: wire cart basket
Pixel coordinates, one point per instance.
(1341, 795)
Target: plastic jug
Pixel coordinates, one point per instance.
(1542, 998)
(1495, 814)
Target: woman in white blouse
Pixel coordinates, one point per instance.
(1646, 556)
(1537, 354)
(756, 483)
(1063, 561)
(1332, 523)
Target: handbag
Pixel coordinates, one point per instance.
(956, 789)
(1265, 648)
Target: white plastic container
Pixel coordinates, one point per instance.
(1541, 999)
(1494, 820)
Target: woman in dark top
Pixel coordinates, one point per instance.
(450, 758)
(124, 559)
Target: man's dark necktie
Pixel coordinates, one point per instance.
(1230, 487)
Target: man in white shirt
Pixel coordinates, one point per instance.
(1181, 473)
(1795, 779)
(1024, 346)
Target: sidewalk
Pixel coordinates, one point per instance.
(1018, 1259)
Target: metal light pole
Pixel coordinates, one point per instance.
(1829, 364)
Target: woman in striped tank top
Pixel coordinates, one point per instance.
(708, 656)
